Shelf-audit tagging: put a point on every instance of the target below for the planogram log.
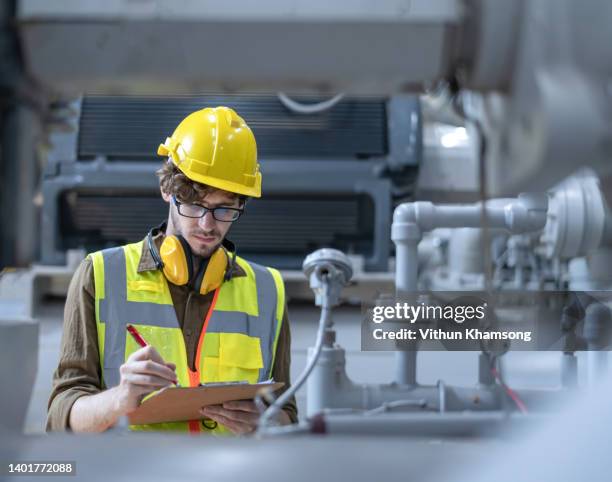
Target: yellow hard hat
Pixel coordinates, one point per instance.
(215, 146)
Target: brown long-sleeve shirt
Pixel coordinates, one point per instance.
(79, 373)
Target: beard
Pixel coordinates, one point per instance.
(198, 248)
(203, 251)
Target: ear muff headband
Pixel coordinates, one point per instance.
(152, 248)
(199, 276)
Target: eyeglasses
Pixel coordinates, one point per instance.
(223, 214)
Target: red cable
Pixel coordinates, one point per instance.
(511, 393)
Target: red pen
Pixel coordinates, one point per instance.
(139, 339)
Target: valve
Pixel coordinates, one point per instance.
(328, 271)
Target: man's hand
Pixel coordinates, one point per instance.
(239, 416)
(143, 372)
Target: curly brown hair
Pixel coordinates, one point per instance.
(173, 181)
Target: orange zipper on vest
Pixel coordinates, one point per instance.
(194, 376)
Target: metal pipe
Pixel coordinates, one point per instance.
(421, 424)
(569, 370)
(329, 389)
(406, 367)
(406, 235)
(597, 331)
(525, 213)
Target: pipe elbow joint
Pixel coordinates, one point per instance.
(405, 213)
(410, 220)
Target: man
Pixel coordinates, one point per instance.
(206, 314)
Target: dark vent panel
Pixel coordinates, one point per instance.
(131, 128)
(289, 227)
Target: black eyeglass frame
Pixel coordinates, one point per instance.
(238, 211)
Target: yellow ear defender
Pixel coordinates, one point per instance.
(175, 259)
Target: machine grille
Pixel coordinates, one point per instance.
(287, 227)
(130, 128)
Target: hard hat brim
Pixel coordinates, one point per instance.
(225, 185)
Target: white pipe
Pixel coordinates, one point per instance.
(523, 214)
(406, 235)
(410, 220)
(465, 251)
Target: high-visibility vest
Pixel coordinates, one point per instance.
(239, 335)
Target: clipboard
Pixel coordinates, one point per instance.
(179, 404)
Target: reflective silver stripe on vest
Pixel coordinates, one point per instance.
(262, 326)
(116, 312)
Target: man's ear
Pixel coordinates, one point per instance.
(167, 197)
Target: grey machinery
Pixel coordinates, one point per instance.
(337, 404)
(331, 175)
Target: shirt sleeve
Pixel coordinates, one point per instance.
(78, 371)
(281, 372)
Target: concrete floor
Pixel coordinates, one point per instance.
(524, 369)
